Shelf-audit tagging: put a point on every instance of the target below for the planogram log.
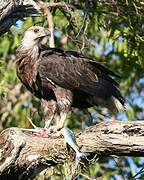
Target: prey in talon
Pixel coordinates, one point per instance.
(41, 132)
(71, 140)
(38, 131)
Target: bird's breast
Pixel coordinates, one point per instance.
(26, 73)
(29, 76)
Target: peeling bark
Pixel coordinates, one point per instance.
(23, 155)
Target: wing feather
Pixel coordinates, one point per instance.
(73, 71)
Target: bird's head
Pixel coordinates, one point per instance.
(33, 36)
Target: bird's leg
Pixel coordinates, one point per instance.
(60, 123)
(49, 110)
(64, 100)
(63, 116)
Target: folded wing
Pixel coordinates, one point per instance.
(73, 71)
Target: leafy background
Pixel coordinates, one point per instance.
(108, 31)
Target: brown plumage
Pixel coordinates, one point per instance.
(64, 79)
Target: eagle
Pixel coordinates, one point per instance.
(64, 79)
(14, 10)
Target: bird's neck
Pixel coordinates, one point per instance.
(31, 50)
(34, 52)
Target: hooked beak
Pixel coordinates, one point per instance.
(44, 34)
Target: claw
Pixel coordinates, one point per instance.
(54, 129)
(33, 125)
(41, 132)
(44, 132)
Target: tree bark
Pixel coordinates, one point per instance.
(23, 154)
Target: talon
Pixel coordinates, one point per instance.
(54, 129)
(33, 125)
(42, 133)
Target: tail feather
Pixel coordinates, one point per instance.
(116, 105)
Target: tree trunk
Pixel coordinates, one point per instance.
(23, 154)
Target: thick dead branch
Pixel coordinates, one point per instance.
(23, 154)
(56, 5)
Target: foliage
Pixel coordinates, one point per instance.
(108, 31)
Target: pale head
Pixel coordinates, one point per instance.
(33, 36)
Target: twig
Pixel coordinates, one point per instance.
(138, 173)
(84, 20)
(50, 23)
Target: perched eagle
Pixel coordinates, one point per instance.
(13, 10)
(64, 79)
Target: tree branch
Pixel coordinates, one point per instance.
(57, 5)
(23, 154)
(45, 8)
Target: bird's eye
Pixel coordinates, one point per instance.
(36, 30)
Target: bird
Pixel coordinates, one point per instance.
(13, 10)
(63, 79)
